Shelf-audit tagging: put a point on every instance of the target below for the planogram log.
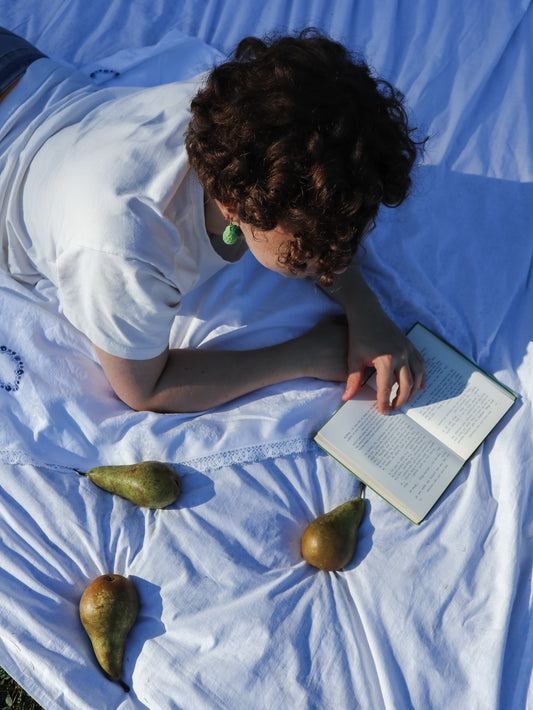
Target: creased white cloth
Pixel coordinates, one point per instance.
(75, 419)
(435, 616)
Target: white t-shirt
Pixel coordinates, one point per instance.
(99, 198)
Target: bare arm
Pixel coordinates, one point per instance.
(375, 341)
(192, 380)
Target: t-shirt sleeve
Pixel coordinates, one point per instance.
(123, 305)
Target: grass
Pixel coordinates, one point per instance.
(13, 697)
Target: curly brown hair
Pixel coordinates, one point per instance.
(295, 131)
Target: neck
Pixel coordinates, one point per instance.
(215, 222)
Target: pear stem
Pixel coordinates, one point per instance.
(361, 489)
(80, 472)
(125, 687)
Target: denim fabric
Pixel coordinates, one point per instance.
(16, 55)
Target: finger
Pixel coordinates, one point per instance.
(405, 387)
(420, 377)
(418, 369)
(353, 384)
(385, 381)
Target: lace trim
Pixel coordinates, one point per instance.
(250, 454)
(212, 462)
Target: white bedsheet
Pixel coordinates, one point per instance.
(435, 616)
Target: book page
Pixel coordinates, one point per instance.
(460, 404)
(392, 454)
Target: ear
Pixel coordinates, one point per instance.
(228, 210)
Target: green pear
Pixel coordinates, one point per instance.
(329, 541)
(151, 484)
(108, 609)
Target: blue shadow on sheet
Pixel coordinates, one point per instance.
(196, 487)
(364, 538)
(147, 626)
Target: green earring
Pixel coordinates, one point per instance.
(231, 234)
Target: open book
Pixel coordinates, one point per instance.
(410, 456)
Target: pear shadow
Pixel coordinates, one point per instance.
(365, 534)
(196, 487)
(138, 703)
(150, 609)
(147, 626)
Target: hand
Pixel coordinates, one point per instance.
(382, 345)
(375, 341)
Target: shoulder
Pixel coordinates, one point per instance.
(123, 305)
(106, 174)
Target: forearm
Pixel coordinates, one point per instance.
(195, 380)
(192, 380)
(351, 291)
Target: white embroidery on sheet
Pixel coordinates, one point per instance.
(11, 369)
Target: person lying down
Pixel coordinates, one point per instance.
(126, 199)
